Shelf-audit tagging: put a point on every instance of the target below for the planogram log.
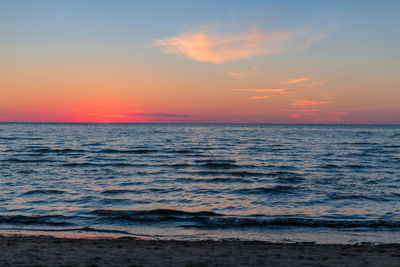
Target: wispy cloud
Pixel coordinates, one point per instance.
(267, 93)
(309, 103)
(252, 71)
(261, 90)
(303, 110)
(297, 80)
(290, 86)
(221, 47)
(303, 82)
(310, 84)
(262, 96)
(237, 74)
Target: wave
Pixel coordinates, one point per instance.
(360, 143)
(287, 176)
(180, 151)
(93, 144)
(152, 215)
(44, 192)
(9, 138)
(227, 173)
(117, 191)
(127, 151)
(90, 164)
(228, 180)
(357, 166)
(360, 154)
(290, 179)
(178, 165)
(302, 222)
(83, 229)
(202, 219)
(23, 219)
(115, 201)
(279, 189)
(391, 146)
(213, 219)
(153, 212)
(354, 197)
(141, 191)
(29, 160)
(330, 166)
(284, 174)
(245, 174)
(217, 164)
(58, 150)
(364, 133)
(225, 180)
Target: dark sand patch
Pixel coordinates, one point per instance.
(51, 251)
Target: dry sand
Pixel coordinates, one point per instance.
(51, 251)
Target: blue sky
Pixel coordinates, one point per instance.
(346, 44)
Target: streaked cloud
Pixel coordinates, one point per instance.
(309, 103)
(303, 110)
(281, 91)
(292, 85)
(221, 47)
(297, 80)
(267, 93)
(262, 96)
(310, 84)
(303, 82)
(237, 74)
(253, 71)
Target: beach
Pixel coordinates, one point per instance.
(20, 250)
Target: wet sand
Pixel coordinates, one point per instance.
(51, 251)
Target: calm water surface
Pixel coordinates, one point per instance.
(280, 183)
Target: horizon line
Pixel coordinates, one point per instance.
(253, 123)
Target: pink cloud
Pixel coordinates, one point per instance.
(260, 97)
(303, 82)
(297, 80)
(309, 103)
(303, 110)
(206, 46)
(311, 84)
(267, 92)
(252, 71)
(237, 74)
(280, 91)
(292, 85)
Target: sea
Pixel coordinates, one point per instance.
(266, 182)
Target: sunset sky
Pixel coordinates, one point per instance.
(200, 61)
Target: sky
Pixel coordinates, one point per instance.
(200, 61)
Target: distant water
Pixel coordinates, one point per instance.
(280, 183)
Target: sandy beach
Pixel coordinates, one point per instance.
(51, 251)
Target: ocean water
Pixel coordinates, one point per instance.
(278, 183)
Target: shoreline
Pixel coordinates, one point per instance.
(31, 250)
